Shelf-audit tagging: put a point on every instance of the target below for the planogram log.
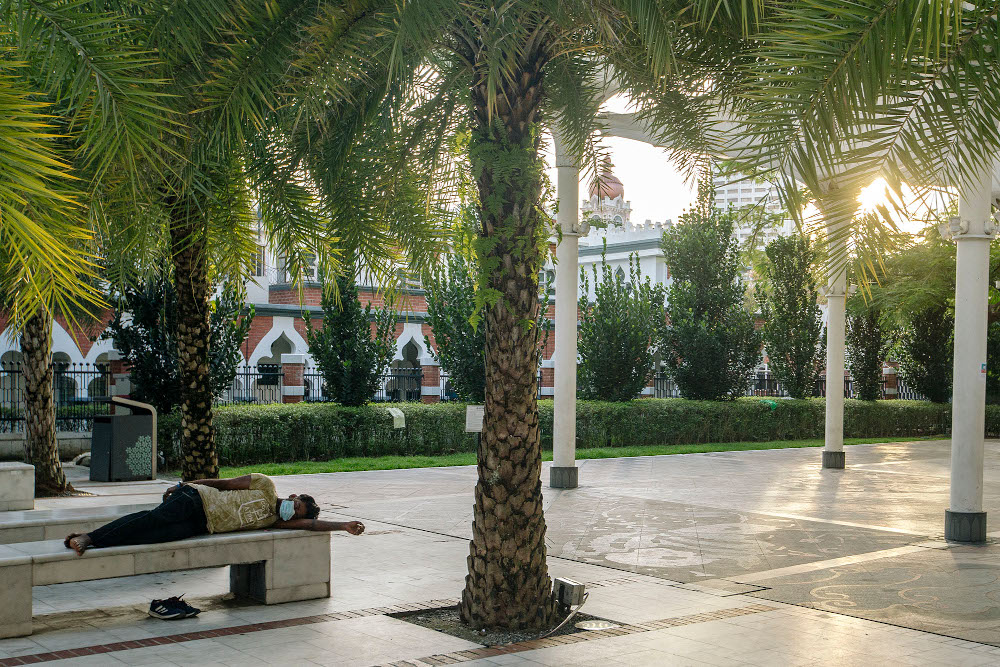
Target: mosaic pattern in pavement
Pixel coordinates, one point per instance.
(688, 543)
(953, 591)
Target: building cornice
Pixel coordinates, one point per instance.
(316, 312)
(628, 246)
(289, 287)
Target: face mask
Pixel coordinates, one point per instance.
(286, 510)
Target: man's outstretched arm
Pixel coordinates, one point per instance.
(231, 484)
(241, 483)
(352, 527)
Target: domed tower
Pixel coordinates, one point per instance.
(607, 201)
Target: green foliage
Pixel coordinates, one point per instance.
(793, 321)
(619, 332)
(910, 89)
(675, 420)
(350, 353)
(251, 434)
(144, 330)
(918, 277)
(927, 352)
(256, 434)
(451, 290)
(711, 345)
(993, 362)
(870, 337)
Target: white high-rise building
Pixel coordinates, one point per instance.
(753, 196)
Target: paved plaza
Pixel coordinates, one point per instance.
(734, 558)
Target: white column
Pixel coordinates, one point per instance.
(836, 325)
(973, 230)
(564, 474)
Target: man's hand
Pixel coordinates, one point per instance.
(354, 527)
(170, 490)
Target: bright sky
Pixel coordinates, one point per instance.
(658, 191)
(654, 186)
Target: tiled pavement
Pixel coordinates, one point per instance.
(748, 558)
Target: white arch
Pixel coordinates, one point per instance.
(280, 325)
(97, 349)
(9, 342)
(412, 331)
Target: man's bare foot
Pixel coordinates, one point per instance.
(78, 542)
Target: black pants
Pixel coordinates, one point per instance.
(181, 515)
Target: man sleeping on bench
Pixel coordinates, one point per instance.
(211, 506)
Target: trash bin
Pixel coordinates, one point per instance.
(123, 446)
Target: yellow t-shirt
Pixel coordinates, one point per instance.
(247, 509)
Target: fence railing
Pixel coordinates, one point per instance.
(79, 392)
(315, 386)
(905, 392)
(664, 387)
(397, 385)
(447, 390)
(765, 384)
(254, 385)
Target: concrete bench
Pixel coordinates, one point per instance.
(35, 525)
(269, 566)
(17, 486)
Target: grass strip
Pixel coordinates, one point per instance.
(355, 464)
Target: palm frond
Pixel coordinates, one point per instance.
(42, 236)
(104, 87)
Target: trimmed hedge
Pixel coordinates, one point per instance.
(248, 435)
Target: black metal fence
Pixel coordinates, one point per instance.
(79, 392)
(765, 384)
(905, 392)
(664, 387)
(315, 386)
(397, 385)
(254, 385)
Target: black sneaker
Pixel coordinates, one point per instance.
(189, 611)
(168, 610)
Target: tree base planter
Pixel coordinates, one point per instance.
(965, 526)
(834, 460)
(564, 477)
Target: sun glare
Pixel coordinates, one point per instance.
(873, 196)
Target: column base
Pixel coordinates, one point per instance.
(835, 460)
(564, 477)
(965, 526)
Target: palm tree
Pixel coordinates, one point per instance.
(488, 78)
(72, 111)
(203, 150)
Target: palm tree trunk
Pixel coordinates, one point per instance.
(508, 583)
(193, 306)
(40, 446)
